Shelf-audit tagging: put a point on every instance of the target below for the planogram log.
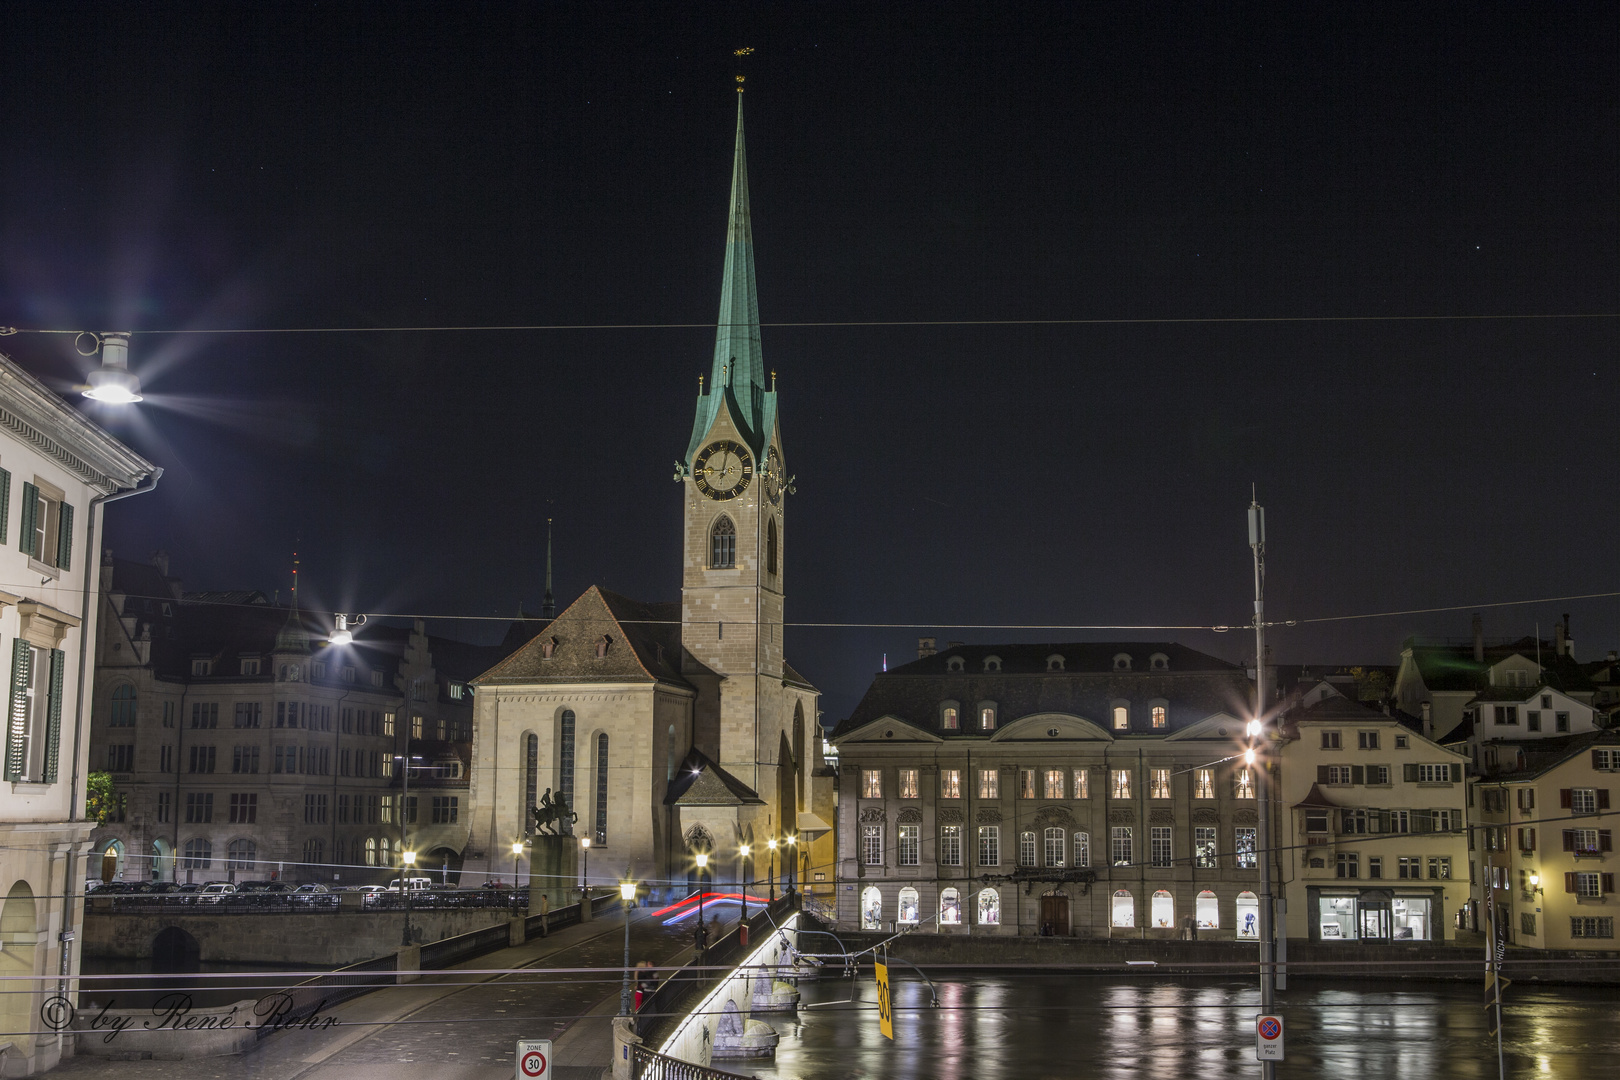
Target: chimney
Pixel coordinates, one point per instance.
(925, 648)
(1558, 638)
(1479, 639)
(1428, 720)
(1569, 642)
(160, 559)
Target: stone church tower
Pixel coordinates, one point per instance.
(677, 728)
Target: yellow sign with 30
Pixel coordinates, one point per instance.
(885, 1003)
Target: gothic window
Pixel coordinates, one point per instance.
(531, 778)
(601, 787)
(770, 546)
(313, 851)
(723, 545)
(565, 756)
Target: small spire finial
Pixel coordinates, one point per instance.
(739, 54)
(548, 605)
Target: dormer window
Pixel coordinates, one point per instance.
(456, 691)
(317, 671)
(548, 647)
(376, 678)
(250, 665)
(1122, 718)
(348, 673)
(1122, 662)
(949, 718)
(602, 644)
(987, 716)
(954, 664)
(1054, 662)
(1159, 662)
(289, 672)
(202, 667)
(992, 663)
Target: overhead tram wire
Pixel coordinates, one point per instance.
(8, 331)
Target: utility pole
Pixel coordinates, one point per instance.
(1258, 758)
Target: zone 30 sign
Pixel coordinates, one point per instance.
(534, 1058)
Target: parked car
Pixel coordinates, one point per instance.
(370, 893)
(261, 893)
(415, 884)
(314, 893)
(214, 892)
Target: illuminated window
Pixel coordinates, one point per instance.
(871, 783)
(950, 845)
(1120, 787)
(1161, 717)
(1204, 784)
(1204, 847)
(1122, 718)
(948, 719)
(1082, 849)
(908, 783)
(989, 783)
(1243, 784)
(1121, 853)
(1054, 783)
(1159, 783)
(1056, 847)
(1026, 783)
(1026, 849)
(1082, 784)
(950, 783)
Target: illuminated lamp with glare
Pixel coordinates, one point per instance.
(113, 382)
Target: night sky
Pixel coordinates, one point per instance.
(253, 167)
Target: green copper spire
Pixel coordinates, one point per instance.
(739, 363)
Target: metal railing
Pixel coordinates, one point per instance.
(673, 999)
(169, 904)
(647, 1065)
(453, 950)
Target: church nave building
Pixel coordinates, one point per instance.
(677, 728)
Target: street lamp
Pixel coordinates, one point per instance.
(585, 877)
(791, 860)
(342, 633)
(746, 868)
(113, 382)
(771, 843)
(702, 862)
(517, 850)
(408, 860)
(627, 900)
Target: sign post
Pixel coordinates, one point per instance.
(885, 1003)
(1268, 1038)
(534, 1059)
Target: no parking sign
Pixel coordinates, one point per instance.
(1268, 1038)
(533, 1058)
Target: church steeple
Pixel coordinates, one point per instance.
(737, 376)
(548, 606)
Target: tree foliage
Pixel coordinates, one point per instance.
(99, 797)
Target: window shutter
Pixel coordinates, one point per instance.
(1607, 884)
(1532, 846)
(19, 709)
(1597, 755)
(1563, 798)
(64, 539)
(1569, 839)
(30, 509)
(1603, 798)
(1569, 881)
(53, 722)
(1321, 774)
(1409, 773)
(1605, 840)
(1358, 774)
(1456, 773)
(5, 502)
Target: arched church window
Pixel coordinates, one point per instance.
(770, 546)
(723, 545)
(565, 756)
(531, 779)
(123, 707)
(601, 787)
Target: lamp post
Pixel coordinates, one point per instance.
(791, 860)
(585, 876)
(627, 900)
(771, 843)
(746, 867)
(517, 850)
(407, 864)
(702, 862)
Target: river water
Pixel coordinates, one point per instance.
(1013, 1027)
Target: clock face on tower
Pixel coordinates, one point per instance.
(722, 470)
(773, 477)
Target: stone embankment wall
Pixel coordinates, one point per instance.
(1238, 959)
(331, 938)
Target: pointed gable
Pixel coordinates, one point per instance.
(601, 637)
(700, 782)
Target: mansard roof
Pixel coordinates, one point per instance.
(1534, 758)
(1193, 685)
(643, 645)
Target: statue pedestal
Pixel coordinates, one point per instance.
(553, 871)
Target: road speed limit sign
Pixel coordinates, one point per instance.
(533, 1058)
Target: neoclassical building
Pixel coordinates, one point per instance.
(1092, 790)
(679, 728)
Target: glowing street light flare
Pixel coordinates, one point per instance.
(113, 383)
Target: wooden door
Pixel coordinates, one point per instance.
(1054, 916)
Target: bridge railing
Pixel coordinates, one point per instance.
(647, 1065)
(674, 997)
